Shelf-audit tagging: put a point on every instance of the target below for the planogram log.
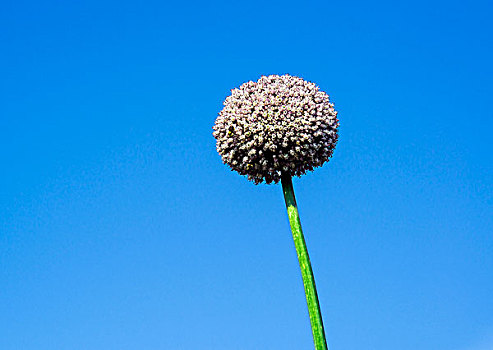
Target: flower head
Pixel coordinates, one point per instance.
(277, 125)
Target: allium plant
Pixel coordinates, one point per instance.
(271, 130)
(277, 125)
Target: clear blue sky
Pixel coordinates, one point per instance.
(121, 229)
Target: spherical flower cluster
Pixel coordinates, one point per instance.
(277, 125)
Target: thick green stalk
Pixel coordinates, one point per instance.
(305, 265)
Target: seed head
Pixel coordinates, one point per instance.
(277, 125)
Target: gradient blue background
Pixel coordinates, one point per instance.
(121, 229)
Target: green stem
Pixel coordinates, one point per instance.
(305, 265)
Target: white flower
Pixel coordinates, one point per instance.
(279, 124)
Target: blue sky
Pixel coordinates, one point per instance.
(121, 229)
